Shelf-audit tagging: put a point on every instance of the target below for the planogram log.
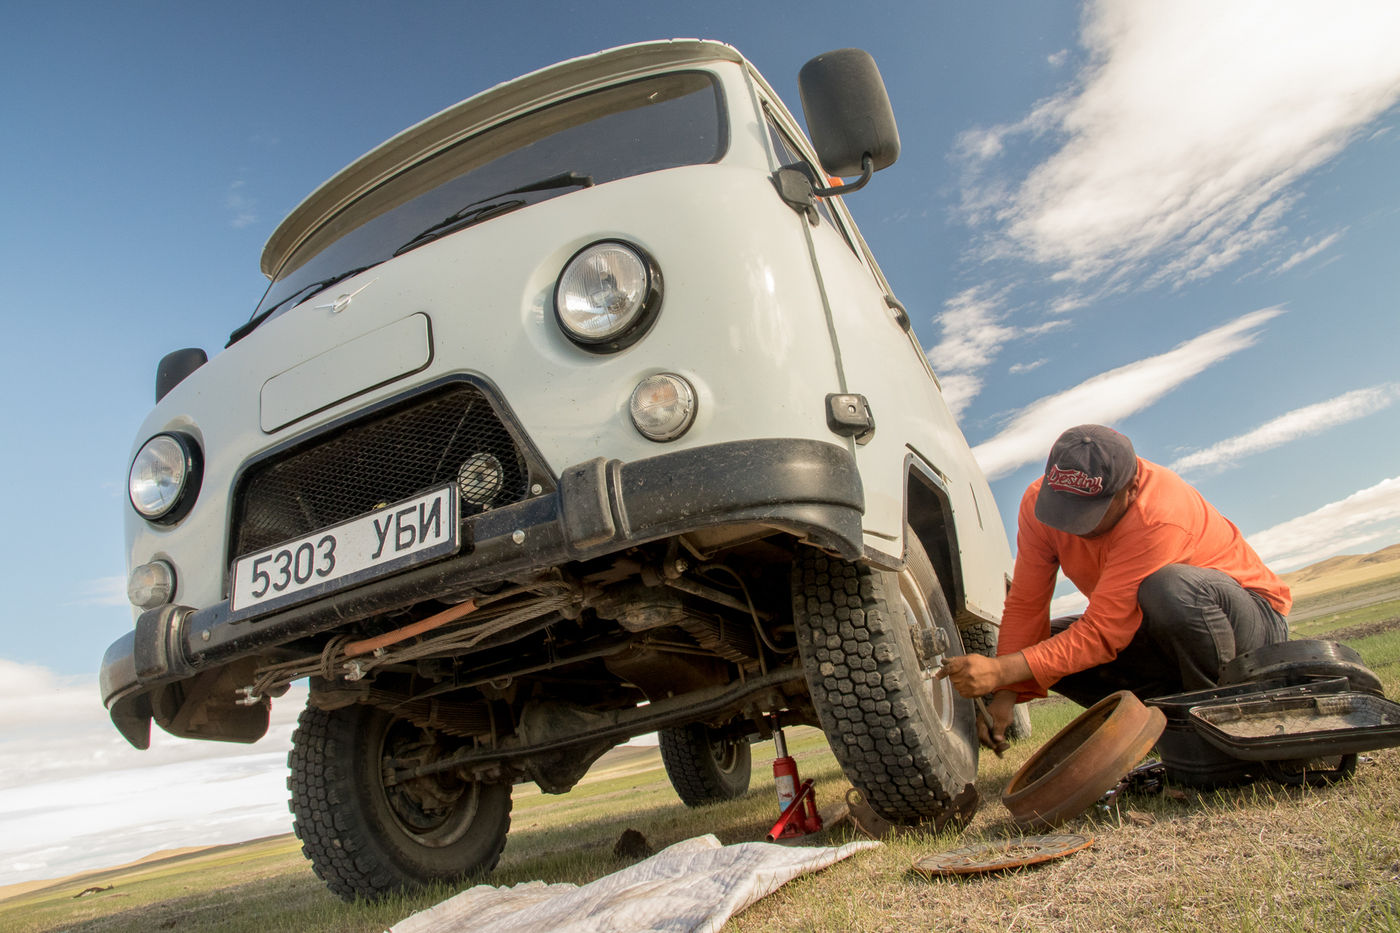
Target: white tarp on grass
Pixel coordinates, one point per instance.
(695, 885)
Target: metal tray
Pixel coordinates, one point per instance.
(1178, 706)
(1300, 727)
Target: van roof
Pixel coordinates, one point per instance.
(470, 116)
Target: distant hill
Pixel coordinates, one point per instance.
(1344, 570)
(152, 860)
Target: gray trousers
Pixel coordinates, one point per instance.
(1194, 620)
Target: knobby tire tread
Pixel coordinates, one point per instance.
(860, 689)
(326, 839)
(685, 751)
(335, 836)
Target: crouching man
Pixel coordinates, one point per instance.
(1174, 589)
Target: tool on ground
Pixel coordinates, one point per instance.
(999, 747)
(999, 855)
(1147, 778)
(797, 801)
(863, 816)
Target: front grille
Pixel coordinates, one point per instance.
(455, 436)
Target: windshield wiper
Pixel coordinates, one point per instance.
(305, 292)
(478, 210)
(473, 213)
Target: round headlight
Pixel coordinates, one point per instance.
(607, 296)
(163, 477)
(663, 406)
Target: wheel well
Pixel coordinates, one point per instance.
(930, 516)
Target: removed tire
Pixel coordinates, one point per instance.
(366, 839)
(1300, 661)
(870, 643)
(705, 768)
(981, 638)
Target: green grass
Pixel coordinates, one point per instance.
(1320, 625)
(1255, 858)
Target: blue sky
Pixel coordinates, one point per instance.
(1179, 219)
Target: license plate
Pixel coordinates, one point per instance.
(390, 538)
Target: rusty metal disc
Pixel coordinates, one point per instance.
(1002, 854)
(1083, 761)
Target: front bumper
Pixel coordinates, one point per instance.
(809, 488)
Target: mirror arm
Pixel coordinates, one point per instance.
(867, 168)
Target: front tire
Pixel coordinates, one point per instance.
(366, 839)
(870, 643)
(703, 768)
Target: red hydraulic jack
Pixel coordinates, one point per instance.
(797, 801)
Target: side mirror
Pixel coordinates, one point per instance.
(848, 112)
(174, 367)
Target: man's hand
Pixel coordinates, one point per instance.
(972, 675)
(976, 675)
(1001, 707)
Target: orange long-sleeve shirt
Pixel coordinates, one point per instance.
(1169, 523)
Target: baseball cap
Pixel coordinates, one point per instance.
(1088, 465)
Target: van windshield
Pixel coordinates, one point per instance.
(629, 129)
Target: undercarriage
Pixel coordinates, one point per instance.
(535, 678)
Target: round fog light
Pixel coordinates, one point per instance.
(151, 585)
(663, 406)
(480, 479)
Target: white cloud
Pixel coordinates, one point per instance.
(1308, 251)
(1067, 303)
(103, 591)
(98, 820)
(1181, 143)
(959, 389)
(34, 697)
(1355, 524)
(1114, 395)
(1302, 422)
(1017, 368)
(75, 796)
(972, 336)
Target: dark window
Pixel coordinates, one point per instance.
(629, 129)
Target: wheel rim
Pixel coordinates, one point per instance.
(922, 623)
(725, 753)
(435, 810)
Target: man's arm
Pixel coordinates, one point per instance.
(1025, 617)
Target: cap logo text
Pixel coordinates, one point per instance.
(1075, 481)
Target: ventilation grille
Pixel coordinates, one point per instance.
(452, 437)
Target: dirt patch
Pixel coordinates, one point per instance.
(1366, 630)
